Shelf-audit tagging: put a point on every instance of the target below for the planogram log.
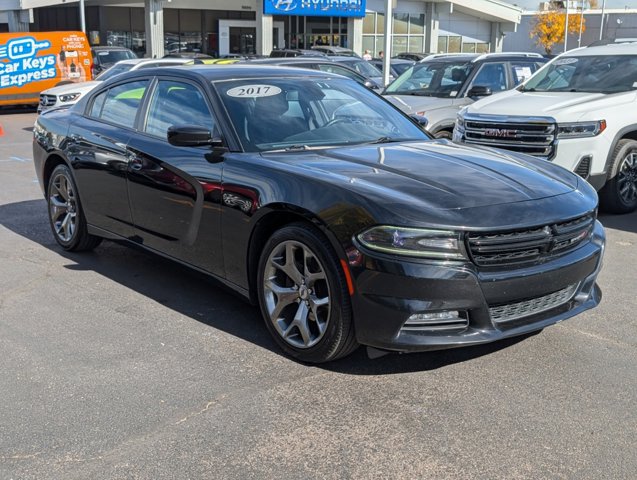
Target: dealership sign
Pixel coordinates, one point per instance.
(314, 8)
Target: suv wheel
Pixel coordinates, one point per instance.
(619, 195)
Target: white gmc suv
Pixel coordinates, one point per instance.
(579, 111)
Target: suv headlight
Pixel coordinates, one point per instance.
(580, 129)
(414, 242)
(69, 97)
(460, 122)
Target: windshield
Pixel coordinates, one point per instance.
(595, 74)
(302, 113)
(114, 70)
(432, 79)
(114, 56)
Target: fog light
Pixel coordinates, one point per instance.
(447, 319)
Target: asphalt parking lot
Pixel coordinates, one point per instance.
(119, 365)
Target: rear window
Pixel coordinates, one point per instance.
(112, 56)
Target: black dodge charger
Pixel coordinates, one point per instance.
(323, 204)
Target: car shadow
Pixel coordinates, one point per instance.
(200, 298)
(11, 110)
(626, 222)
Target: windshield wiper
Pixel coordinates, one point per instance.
(391, 140)
(527, 89)
(296, 148)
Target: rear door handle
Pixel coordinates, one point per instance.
(134, 161)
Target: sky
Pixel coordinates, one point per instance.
(533, 4)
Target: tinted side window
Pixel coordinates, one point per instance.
(492, 75)
(176, 103)
(119, 105)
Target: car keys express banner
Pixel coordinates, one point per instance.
(315, 8)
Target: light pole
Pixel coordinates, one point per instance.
(601, 22)
(581, 23)
(566, 27)
(389, 14)
(82, 17)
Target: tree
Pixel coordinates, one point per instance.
(548, 27)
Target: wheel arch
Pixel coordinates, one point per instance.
(275, 217)
(52, 161)
(629, 132)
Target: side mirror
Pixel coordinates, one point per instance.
(371, 85)
(420, 120)
(190, 136)
(479, 91)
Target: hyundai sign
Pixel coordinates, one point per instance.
(315, 8)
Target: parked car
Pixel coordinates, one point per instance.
(105, 57)
(324, 64)
(398, 66)
(70, 94)
(441, 85)
(295, 52)
(577, 112)
(413, 56)
(334, 51)
(364, 67)
(323, 204)
(189, 55)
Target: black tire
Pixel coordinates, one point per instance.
(619, 195)
(64, 205)
(330, 326)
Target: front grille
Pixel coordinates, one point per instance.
(533, 138)
(520, 246)
(47, 100)
(534, 306)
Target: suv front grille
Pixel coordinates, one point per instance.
(534, 306)
(521, 246)
(47, 100)
(532, 138)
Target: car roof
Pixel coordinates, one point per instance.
(629, 48)
(236, 71)
(106, 47)
(140, 61)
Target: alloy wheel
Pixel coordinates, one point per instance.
(63, 207)
(297, 294)
(627, 179)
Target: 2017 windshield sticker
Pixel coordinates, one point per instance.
(566, 61)
(19, 63)
(254, 91)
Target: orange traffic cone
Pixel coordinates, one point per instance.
(1, 131)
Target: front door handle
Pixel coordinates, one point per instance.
(135, 162)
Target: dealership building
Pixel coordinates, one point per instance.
(219, 27)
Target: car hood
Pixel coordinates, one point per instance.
(414, 104)
(433, 175)
(563, 106)
(80, 87)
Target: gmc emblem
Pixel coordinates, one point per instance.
(500, 133)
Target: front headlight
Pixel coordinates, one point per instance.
(69, 97)
(580, 129)
(460, 122)
(414, 242)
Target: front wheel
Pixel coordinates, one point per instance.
(65, 212)
(619, 195)
(303, 296)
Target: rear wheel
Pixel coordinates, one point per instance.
(619, 195)
(65, 212)
(303, 296)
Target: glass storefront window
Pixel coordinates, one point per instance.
(368, 44)
(415, 44)
(380, 45)
(399, 44)
(380, 23)
(368, 23)
(454, 45)
(468, 48)
(417, 24)
(401, 23)
(482, 48)
(442, 44)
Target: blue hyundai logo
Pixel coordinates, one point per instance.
(284, 5)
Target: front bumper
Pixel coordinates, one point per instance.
(389, 291)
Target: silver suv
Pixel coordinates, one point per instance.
(440, 85)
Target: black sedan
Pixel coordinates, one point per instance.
(326, 206)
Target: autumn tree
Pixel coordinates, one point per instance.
(548, 27)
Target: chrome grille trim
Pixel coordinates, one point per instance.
(47, 100)
(534, 306)
(533, 136)
(493, 249)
